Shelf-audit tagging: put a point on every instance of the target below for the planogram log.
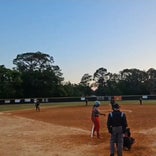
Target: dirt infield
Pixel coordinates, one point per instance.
(66, 132)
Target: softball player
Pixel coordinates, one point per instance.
(95, 119)
(37, 105)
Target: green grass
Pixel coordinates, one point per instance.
(15, 107)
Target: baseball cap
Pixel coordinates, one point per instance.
(116, 106)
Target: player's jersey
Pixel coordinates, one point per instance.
(95, 112)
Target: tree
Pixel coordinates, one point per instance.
(132, 81)
(40, 77)
(33, 61)
(151, 80)
(85, 85)
(10, 83)
(101, 76)
(86, 79)
(74, 90)
(113, 85)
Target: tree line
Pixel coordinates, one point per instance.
(36, 75)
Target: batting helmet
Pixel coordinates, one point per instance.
(97, 103)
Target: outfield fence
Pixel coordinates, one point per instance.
(76, 99)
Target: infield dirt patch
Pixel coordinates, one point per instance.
(66, 131)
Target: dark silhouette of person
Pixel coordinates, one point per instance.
(112, 102)
(116, 124)
(140, 100)
(86, 100)
(37, 105)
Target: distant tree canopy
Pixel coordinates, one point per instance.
(33, 62)
(40, 76)
(10, 83)
(126, 82)
(35, 75)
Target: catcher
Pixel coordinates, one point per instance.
(128, 140)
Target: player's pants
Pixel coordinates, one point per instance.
(116, 139)
(96, 122)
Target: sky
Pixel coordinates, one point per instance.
(81, 35)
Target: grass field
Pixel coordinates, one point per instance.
(63, 129)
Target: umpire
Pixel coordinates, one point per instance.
(116, 124)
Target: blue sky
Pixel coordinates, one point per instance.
(81, 35)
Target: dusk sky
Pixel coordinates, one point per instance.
(81, 35)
